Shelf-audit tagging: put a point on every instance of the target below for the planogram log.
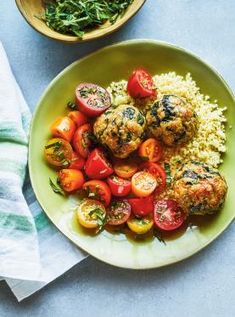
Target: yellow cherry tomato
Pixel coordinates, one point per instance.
(140, 225)
(58, 152)
(143, 184)
(91, 214)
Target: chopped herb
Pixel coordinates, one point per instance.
(159, 237)
(56, 188)
(145, 158)
(100, 217)
(140, 119)
(56, 146)
(75, 17)
(71, 105)
(168, 174)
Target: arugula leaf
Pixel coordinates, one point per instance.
(75, 16)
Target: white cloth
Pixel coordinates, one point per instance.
(32, 251)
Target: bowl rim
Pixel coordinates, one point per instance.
(67, 69)
(74, 39)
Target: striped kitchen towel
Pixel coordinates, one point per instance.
(32, 251)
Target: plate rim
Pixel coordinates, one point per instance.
(65, 70)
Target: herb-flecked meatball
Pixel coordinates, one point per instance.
(199, 188)
(171, 120)
(121, 129)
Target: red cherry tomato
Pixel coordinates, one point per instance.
(119, 187)
(140, 84)
(141, 206)
(78, 117)
(92, 99)
(118, 212)
(77, 162)
(150, 149)
(158, 171)
(98, 190)
(168, 215)
(81, 140)
(97, 166)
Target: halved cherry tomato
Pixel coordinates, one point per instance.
(157, 171)
(92, 99)
(125, 168)
(141, 206)
(143, 184)
(58, 152)
(140, 225)
(118, 212)
(168, 215)
(98, 190)
(91, 214)
(141, 84)
(119, 187)
(77, 162)
(151, 149)
(64, 128)
(78, 117)
(70, 179)
(81, 140)
(97, 166)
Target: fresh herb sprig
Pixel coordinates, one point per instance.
(74, 17)
(56, 188)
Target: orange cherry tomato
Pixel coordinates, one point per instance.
(64, 128)
(151, 150)
(78, 117)
(77, 162)
(143, 184)
(70, 179)
(158, 172)
(58, 152)
(125, 168)
(81, 140)
(98, 190)
(91, 214)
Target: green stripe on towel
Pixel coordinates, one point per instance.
(16, 222)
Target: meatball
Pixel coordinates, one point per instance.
(199, 189)
(171, 120)
(121, 129)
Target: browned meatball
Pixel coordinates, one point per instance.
(171, 120)
(199, 189)
(121, 129)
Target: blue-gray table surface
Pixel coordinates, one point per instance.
(203, 285)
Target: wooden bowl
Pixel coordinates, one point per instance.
(32, 9)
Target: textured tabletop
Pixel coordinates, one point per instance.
(203, 285)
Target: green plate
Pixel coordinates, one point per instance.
(102, 67)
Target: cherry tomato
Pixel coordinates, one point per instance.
(98, 190)
(119, 187)
(77, 162)
(143, 184)
(81, 140)
(151, 149)
(157, 171)
(92, 99)
(140, 225)
(140, 84)
(58, 152)
(91, 214)
(125, 168)
(64, 128)
(70, 179)
(78, 117)
(168, 215)
(118, 212)
(141, 206)
(97, 166)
